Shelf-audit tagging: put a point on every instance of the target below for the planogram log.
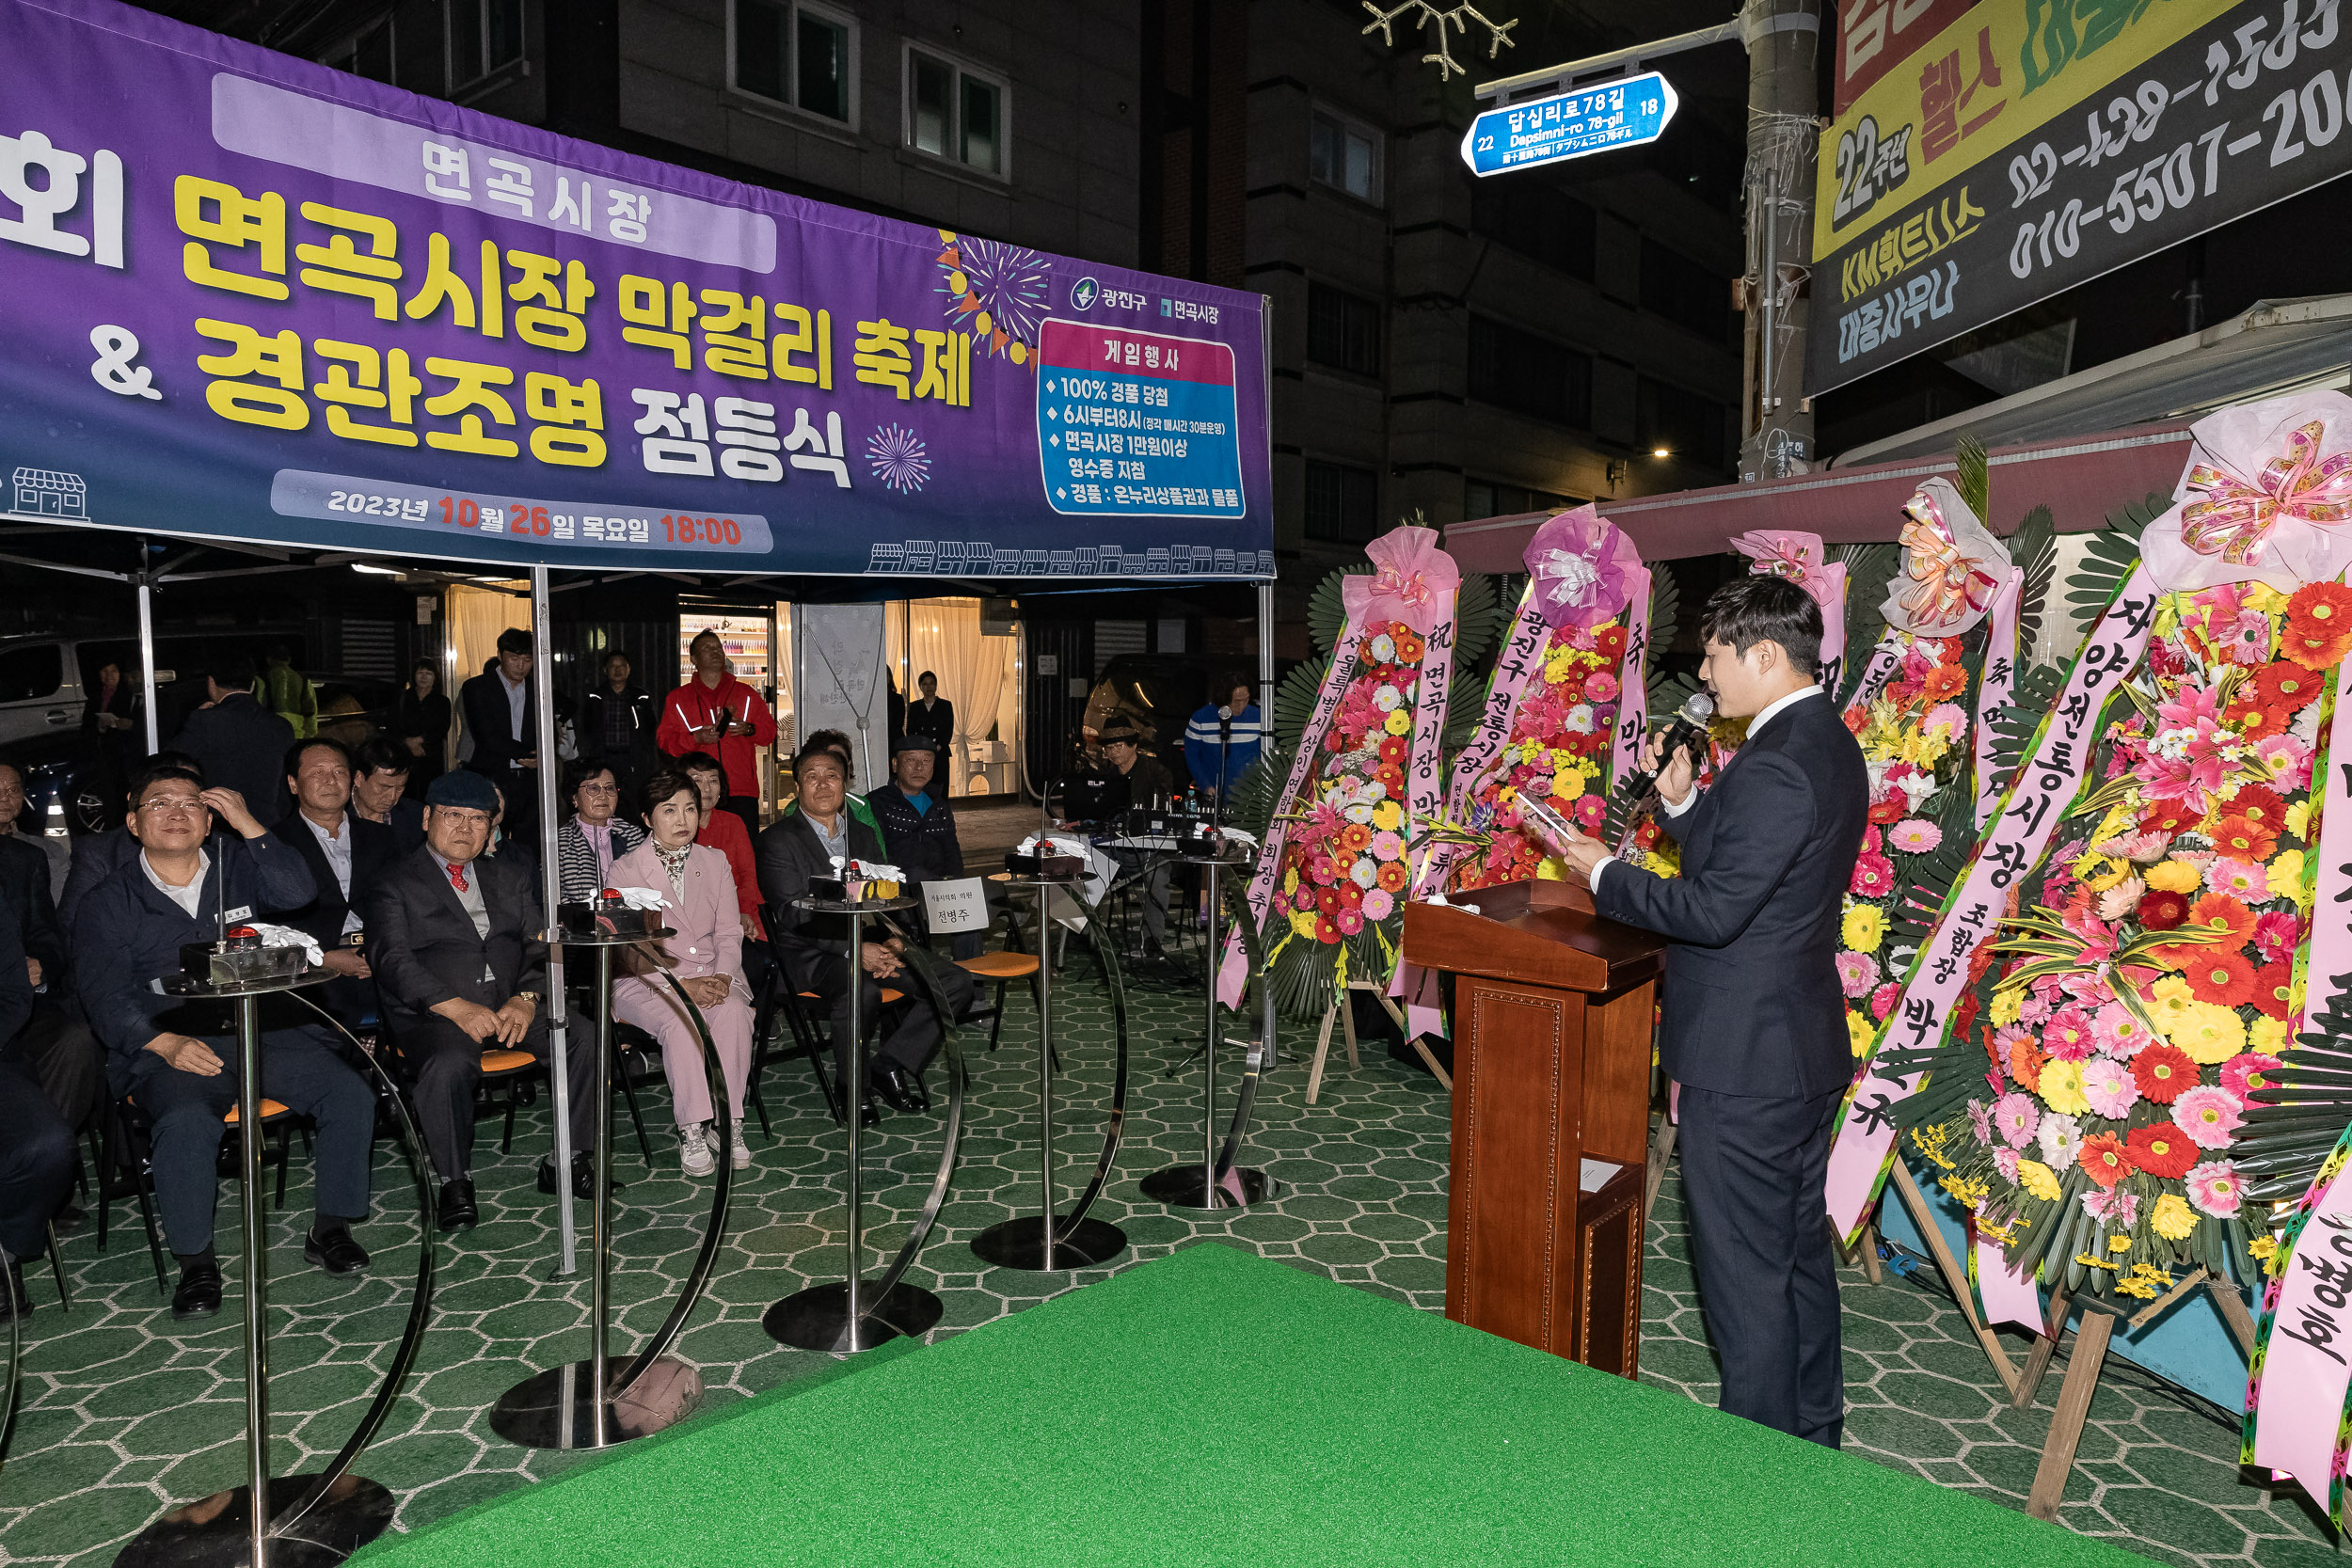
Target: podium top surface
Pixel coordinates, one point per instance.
(1537, 933)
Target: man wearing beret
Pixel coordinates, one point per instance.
(452, 935)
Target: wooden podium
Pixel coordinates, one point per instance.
(1553, 1009)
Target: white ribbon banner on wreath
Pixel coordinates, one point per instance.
(2297, 1387)
(2053, 774)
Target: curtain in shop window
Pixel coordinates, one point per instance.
(476, 616)
(944, 637)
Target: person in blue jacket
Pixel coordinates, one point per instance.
(178, 1060)
(1223, 739)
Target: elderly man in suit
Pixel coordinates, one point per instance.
(811, 842)
(1755, 1020)
(453, 937)
(180, 1061)
(238, 742)
(346, 855)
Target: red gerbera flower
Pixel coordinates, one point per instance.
(2164, 1072)
(1873, 877)
(2244, 838)
(1890, 807)
(2167, 817)
(2318, 632)
(2286, 684)
(2219, 975)
(2272, 984)
(1351, 896)
(1393, 876)
(1393, 749)
(2160, 910)
(1610, 643)
(1327, 930)
(1945, 680)
(2255, 722)
(2222, 912)
(2106, 1158)
(2161, 1149)
(2258, 803)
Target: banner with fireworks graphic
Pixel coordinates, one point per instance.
(267, 300)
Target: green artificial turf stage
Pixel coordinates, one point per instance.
(1213, 1407)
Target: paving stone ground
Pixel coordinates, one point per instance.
(124, 1413)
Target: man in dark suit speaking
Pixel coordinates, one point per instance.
(1754, 1026)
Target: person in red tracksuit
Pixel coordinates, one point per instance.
(716, 713)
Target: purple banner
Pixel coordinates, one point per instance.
(256, 298)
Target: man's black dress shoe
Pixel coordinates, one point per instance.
(335, 1252)
(457, 1206)
(14, 1302)
(583, 1177)
(199, 1295)
(900, 1089)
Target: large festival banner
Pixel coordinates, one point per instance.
(253, 297)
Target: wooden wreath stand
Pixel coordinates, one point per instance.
(1555, 1009)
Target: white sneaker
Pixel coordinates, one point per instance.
(694, 1150)
(738, 1152)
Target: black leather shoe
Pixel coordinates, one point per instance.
(583, 1177)
(14, 1302)
(900, 1089)
(871, 1115)
(199, 1295)
(336, 1253)
(457, 1206)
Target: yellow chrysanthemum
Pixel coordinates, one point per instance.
(2120, 1244)
(1568, 784)
(2174, 877)
(2170, 1001)
(1385, 816)
(2038, 1179)
(1400, 721)
(2173, 1219)
(2211, 1033)
(2298, 818)
(1967, 1194)
(1303, 923)
(2267, 1035)
(2007, 1005)
(1863, 928)
(1290, 879)
(2063, 1088)
(1860, 1032)
(2286, 879)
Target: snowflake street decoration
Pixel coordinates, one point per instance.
(898, 458)
(996, 293)
(1427, 16)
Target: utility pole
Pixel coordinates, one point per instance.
(1784, 138)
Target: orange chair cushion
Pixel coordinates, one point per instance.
(507, 1061)
(1000, 965)
(889, 996)
(269, 1108)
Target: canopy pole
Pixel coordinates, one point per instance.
(146, 649)
(550, 891)
(1265, 743)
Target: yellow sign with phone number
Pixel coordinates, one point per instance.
(2003, 70)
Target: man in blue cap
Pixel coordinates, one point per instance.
(453, 937)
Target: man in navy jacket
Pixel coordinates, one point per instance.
(178, 1060)
(1753, 1020)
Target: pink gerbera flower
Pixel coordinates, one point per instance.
(2066, 1035)
(1387, 845)
(1378, 904)
(2209, 1115)
(1349, 922)
(2242, 1074)
(2276, 934)
(2289, 761)
(2239, 878)
(1856, 972)
(1873, 877)
(1600, 685)
(1914, 836)
(1883, 1000)
(2016, 1115)
(2117, 1033)
(2004, 1161)
(2109, 1087)
(2214, 1188)
(2113, 1204)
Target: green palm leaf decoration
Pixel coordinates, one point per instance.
(1665, 612)
(1479, 616)
(1294, 703)
(2034, 546)
(1465, 705)
(2300, 1113)
(2112, 552)
(1973, 480)
(1250, 803)
(1326, 617)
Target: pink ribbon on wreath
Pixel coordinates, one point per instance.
(1580, 565)
(1414, 580)
(2264, 497)
(1798, 557)
(1946, 551)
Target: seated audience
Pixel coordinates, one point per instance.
(586, 846)
(706, 956)
(346, 854)
(918, 828)
(460, 970)
(100, 855)
(838, 744)
(814, 840)
(236, 740)
(36, 1143)
(179, 1061)
(379, 776)
(1146, 781)
(722, 831)
(56, 854)
(52, 1041)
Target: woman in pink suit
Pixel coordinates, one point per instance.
(707, 956)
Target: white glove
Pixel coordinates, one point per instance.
(286, 936)
(641, 899)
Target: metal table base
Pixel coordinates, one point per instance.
(1214, 1181)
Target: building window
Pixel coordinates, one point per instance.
(799, 54)
(1528, 376)
(1343, 504)
(1679, 423)
(1346, 155)
(955, 113)
(485, 36)
(371, 56)
(1488, 498)
(1343, 329)
(1685, 293)
(1535, 221)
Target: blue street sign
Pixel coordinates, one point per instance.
(1632, 111)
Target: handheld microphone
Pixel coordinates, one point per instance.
(1690, 724)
